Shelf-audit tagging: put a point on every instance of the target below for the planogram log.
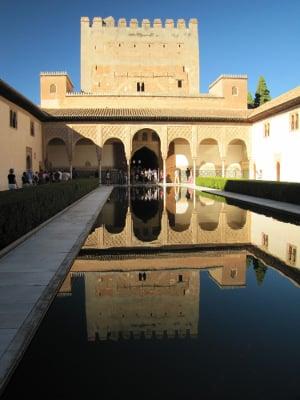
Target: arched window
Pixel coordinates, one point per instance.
(53, 88)
(234, 91)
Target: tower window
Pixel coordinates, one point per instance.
(179, 83)
(234, 91)
(140, 87)
(233, 273)
(53, 88)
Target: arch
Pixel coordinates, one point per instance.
(114, 160)
(57, 154)
(179, 208)
(146, 139)
(209, 158)
(179, 158)
(237, 162)
(209, 214)
(146, 208)
(234, 170)
(236, 217)
(144, 166)
(85, 157)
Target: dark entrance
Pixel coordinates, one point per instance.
(144, 166)
(144, 158)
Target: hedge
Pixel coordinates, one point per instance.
(24, 209)
(280, 191)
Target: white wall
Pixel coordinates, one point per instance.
(282, 145)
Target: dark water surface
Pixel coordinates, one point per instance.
(172, 297)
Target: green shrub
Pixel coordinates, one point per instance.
(279, 191)
(24, 209)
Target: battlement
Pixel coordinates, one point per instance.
(110, 22)
(53, 73)
(129, 56)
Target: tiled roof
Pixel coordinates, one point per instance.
(17, 98)
(280, 103)
(131, 114)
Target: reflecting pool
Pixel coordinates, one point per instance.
(174, 295)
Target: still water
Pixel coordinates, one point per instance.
(173, 296)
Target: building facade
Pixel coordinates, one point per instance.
(140, 107)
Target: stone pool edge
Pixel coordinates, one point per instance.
(15, 350)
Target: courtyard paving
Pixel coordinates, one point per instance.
(31, 274)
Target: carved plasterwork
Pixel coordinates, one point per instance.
(88, 132)
(180, 132)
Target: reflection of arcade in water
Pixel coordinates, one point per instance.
(144, 217)
(141, 302)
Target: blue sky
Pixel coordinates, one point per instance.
(236, 37)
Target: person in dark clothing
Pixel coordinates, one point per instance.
(25, 179)
(11, 177)
(187, 173)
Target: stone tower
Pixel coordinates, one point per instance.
(139, 59)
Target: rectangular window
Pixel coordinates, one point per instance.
(265, 240)
(140, 87)
(291, 254)
(294, 121)
(13, 121)
(266, 129)
(32, 132)
(179, 83)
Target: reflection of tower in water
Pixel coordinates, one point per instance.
(148, 304)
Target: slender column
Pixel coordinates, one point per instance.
(71, 169)
(194, 171)
(128, 172)
(100, 171)
(223, 168)
(164, 172)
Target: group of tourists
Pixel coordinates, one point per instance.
(145, 175)
(30, 178)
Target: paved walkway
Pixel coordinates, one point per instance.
(31, 274)
(272, 204)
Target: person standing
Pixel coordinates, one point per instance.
(25, 179)
(187, 173)
(11, 177)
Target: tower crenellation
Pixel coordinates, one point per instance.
(139, 57)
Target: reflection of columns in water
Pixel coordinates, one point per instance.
(164, 171)
(223, 167)
(128, 172)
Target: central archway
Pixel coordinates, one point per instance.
(146, 160)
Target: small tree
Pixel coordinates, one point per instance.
(262, 94)
(250, 100)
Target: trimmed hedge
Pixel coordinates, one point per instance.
(24, 209)
(280, 191)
